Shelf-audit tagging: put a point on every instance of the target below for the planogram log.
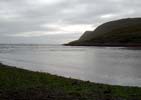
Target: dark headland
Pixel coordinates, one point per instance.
(123, 32)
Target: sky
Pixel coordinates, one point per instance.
(58, 21)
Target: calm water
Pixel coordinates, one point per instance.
(119, 66)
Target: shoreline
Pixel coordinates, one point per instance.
(16, 83)
(104, 45)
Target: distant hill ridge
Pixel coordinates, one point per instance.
(123, 32)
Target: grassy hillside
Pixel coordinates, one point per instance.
(125, 32)
(19, 84)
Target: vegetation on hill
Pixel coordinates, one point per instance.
(124, 32)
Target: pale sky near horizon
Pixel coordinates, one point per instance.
(58, 21)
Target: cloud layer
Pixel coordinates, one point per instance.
(38, 18)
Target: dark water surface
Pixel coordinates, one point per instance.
(110, 65)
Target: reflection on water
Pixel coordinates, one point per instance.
(112, 65)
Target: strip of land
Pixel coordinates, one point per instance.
(20, 84)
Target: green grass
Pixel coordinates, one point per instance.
(19, 84)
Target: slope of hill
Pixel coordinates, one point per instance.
(124, 32)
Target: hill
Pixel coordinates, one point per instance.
(123, 32)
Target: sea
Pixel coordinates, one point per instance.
(108, 65)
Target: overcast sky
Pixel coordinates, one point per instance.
(58, 21)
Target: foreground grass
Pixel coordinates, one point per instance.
(19, 84)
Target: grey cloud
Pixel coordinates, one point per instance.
(20, 16)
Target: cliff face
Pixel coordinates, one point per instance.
(122, 32)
